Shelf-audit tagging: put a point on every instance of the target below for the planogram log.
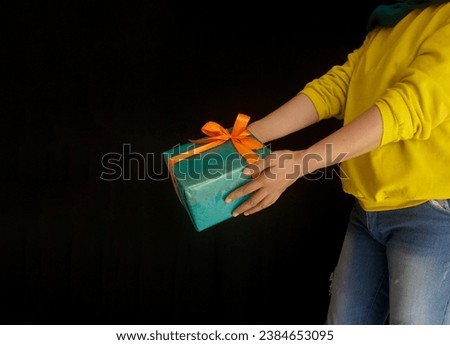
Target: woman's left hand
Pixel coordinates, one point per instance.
(272, 175)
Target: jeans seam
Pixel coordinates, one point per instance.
(445, 310)
(378, 291)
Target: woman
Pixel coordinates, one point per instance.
(393, 94)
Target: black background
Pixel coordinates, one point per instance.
(83, 78)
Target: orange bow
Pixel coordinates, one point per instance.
(217, 135)
(239, 136)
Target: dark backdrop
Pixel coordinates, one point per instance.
(84, 78)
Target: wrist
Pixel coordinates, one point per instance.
(258, 131)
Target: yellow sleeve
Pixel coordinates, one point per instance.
(328, 93)
(420, 100)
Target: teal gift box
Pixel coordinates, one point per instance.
(205, 171)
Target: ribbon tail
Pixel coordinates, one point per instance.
(251, 143)
(202, 141)
(195, 151)
(250, 156)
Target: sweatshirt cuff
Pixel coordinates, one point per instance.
(317, 100)
(390, 128)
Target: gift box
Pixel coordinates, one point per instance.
(206, 170)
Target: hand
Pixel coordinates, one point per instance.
(272, 175)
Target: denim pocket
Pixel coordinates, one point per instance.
(442, 205)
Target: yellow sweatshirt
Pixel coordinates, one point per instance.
(405, 72)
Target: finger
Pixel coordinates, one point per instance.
(249, 204)
(247, 188)
(260, 165)
(263, 204)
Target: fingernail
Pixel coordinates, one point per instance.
(246, 214)
(247, 171)
(228, 200)
(235, 214)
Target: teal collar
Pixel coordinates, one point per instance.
(391, 12)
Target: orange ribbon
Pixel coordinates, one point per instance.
(217, 135)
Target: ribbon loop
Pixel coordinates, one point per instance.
(240, 126)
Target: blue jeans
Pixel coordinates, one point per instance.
(394, 265)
